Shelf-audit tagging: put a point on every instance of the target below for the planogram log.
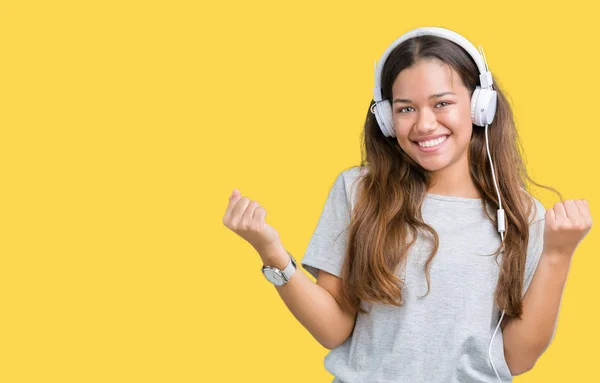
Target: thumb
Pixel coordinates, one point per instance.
(234, 193)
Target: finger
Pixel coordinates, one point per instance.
(247, 216)
(550, 216)
(559, 212)
(584, 210)
(583, 207)
(233, 198)
(239, 208)
(234, 193)
(259, 210)
(259, 214)
(572, 211)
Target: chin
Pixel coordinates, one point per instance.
(432, 167)
(431, 164)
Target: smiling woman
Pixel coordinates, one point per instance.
(422, 207)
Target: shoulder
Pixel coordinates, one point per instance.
(350, 178)
(353, 174)
(535, 245)
(537, 221)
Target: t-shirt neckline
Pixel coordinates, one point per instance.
(448, 198)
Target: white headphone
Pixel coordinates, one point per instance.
(483, 100)
(483, 109)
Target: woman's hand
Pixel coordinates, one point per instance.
(567, 223)
(246, 218)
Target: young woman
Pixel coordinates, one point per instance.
(422, 250)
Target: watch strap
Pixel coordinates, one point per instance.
(290, 268)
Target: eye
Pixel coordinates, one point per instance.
(402, 110)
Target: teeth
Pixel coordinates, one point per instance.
(428, 144)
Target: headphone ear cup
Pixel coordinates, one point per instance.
(490, 101)
(483, 106)
(474, 97)
(383, 114)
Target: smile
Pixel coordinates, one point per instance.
(428, 144)
(431, 145)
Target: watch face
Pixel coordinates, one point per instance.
(273, 277)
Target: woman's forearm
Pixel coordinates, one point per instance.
(312, 305)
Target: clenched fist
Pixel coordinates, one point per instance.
(566, 225)
(247, 219)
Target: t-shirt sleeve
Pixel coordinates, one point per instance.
(535, 245)
(327, 246)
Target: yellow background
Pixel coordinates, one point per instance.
(126, 125)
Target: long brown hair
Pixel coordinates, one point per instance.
(387, 216)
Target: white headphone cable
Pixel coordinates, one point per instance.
(501, 228)
(490, 349)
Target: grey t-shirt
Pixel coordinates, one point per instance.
(445, 336)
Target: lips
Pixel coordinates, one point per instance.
(430, 138)
(429, 149)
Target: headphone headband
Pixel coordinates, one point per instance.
(485, 76)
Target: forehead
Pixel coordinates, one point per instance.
(427, 77)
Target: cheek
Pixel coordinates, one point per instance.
(402, 139)
(402, 133)
(456, 119)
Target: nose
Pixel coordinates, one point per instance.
(426, 122)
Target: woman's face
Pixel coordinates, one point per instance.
(431, 110)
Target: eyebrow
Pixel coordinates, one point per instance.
(430, 97)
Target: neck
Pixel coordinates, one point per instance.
(454, 181)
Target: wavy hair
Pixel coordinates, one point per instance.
(387, 216)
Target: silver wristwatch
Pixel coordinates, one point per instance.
(280, 277)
